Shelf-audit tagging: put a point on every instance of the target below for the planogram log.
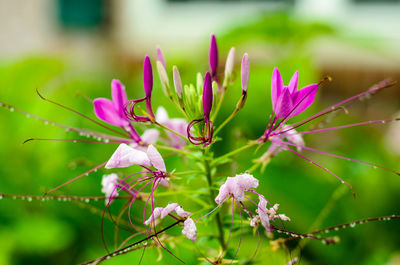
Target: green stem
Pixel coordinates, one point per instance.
(172, 131)
(240, 149)
(219, 104)
(226, 121)
(212, 197)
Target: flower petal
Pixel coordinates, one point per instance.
(161, 115)
(150, 136)
(126, 156)
(276, 87)
(189, 229)
(105, 111)
(294, 82)
(119, 97)
(284, 104)
(168, 209)
(304, 98)
(155, 158)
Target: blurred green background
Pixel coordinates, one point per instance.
(70, 51)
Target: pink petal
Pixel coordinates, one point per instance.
(119, 97)
(164, 182)
(126, 156)
(155, 158)
(168, 209)
(150, 136)
(156, 213)
(189, 229)
(161, 115)
(105, 111)
(304, 98)
(276, 87)
(294, 82)
(180, 212)
(284, 104)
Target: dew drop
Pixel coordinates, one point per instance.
(28, 115)
(74, 141)
(352, 224)
(106, 140)
(1, 196)
(375, 167)
(46, 122)
(29, 199)
(383, 121)
(87, 200)
(11, 109)
(336, 228)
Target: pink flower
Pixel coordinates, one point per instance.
(236, 186)
(190, 230)
(110, 184)
(287, 101)
(266, 215)
(126, 156)
(113, 112)
(177, 125)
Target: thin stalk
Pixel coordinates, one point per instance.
(226, 121)
(212, 197)
(240, 149)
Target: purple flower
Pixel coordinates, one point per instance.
(189, 229)
(113, 112)
(207, 125)
(245, 72)
(213, 56)
(287, 101)
(148, 88)
(207, 95)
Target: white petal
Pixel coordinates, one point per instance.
(189, 229)
(155, 158)
(161, 115)
(126, 156)
(150, 136)
(168, 209)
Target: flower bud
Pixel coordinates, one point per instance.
(213, 56)
(207, 95)
(162, 73)
(147, 76)
(245, 72)
(177, 81)
(160, 57)
(230, 61)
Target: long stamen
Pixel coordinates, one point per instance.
(338, 106)
(241, 231)
(131, 246)
(66, 128)
(76, 178)
(343, 157)
(73, 140)
(338, 127)
(80, 114)
(311, 161)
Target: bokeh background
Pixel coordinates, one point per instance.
(71, 49)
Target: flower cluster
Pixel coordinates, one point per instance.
(192, 138)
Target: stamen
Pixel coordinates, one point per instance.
(312, 162)
(80, 114)
(76, 178)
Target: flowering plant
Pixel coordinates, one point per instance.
(216, 213)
